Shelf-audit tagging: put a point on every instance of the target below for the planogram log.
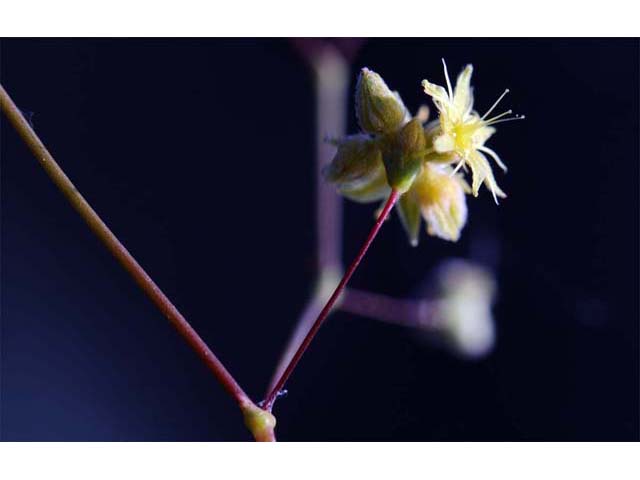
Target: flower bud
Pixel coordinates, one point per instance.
(379, 110)
(357, 170)
(355, 163)
(404, 156)
(377, 188)
(411, 138)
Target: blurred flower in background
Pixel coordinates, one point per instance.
(465, 293)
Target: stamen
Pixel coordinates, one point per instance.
(495, 104)
(455, 170)
(493, 119)
(521, 117)
(446, 74)
(495, 197)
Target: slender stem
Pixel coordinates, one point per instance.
(118, 250)
(310, 312)
(268, 402)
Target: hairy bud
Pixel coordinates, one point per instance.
(379, 110)
(356, 161)
(404, 156)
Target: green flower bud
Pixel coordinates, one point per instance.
(411, 138)
(357, 161)
(377, 188)
(379, 110)
(404, 154)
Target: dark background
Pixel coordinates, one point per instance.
(198, 154)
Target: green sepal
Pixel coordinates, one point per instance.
(410, 216)
(402, 171)
(375, 189)
(357, 161)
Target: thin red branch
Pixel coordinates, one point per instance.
(270, 399)
(331, 85)
(118, 250)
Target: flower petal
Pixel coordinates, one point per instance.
(446, 220)
(463, 94)
(482, 134)
(480, 169)
(442, 202)
(493, 155)
(482, 173)
(437, 93)
(444, 143)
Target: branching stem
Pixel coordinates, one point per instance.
(271, 397)
(119, 251)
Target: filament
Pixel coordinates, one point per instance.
(446, 74)
(493, 119)
(521, 117)
(495, 104)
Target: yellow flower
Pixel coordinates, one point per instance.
(438, 196)
(463, 132)
(396, 151)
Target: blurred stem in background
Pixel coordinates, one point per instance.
(410, 313)
(331, 73)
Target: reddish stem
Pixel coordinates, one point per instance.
(268, 402)
(331, 84)
(118, 250)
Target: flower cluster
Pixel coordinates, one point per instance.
(419, 159)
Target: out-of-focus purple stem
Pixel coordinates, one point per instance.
(331, 75)
(331, 84)
(419, 313)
